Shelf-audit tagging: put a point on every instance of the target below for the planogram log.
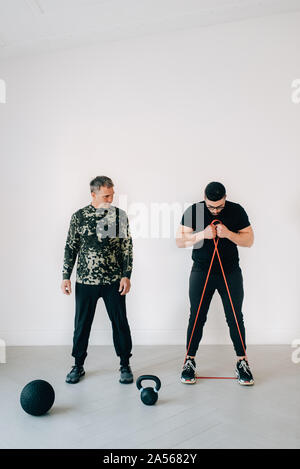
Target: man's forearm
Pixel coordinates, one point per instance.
(71, 248)
(69, 262)
(189, 239)
(241, 239)
(127, 257)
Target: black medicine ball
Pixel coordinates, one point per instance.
(37, 397)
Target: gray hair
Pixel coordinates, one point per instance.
(100, 181)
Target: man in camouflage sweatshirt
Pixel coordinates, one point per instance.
(99, 234)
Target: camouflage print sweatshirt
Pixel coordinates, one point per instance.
(102, 240)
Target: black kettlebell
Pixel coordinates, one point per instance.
(149, 395)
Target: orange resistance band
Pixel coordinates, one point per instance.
(212, 259)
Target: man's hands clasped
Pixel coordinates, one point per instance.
(220, 230)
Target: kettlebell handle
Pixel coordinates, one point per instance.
(152, 377)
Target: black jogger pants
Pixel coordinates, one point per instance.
(216, 282)
(86, 297)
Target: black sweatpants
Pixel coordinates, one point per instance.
(216, 282)
(86, 297)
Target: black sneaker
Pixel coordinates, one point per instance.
(243, 373)
(75, 374)
(188, 371)
(126, 376)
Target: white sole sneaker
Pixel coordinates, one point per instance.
(188, 381)
(244, 383)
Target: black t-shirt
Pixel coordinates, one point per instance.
(234, 217)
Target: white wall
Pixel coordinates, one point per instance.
(162, 115)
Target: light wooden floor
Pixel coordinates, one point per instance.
(99, 412)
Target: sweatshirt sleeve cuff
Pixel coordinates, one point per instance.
(127, 274)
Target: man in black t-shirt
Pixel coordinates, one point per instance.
(233, 230)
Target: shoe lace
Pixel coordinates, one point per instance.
(244, 365)
(189, 365)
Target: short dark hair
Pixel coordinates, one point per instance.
(100, 181)
(215, 191)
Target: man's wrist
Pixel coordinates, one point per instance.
(231, 236)
(127, 276)
(199, 236)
